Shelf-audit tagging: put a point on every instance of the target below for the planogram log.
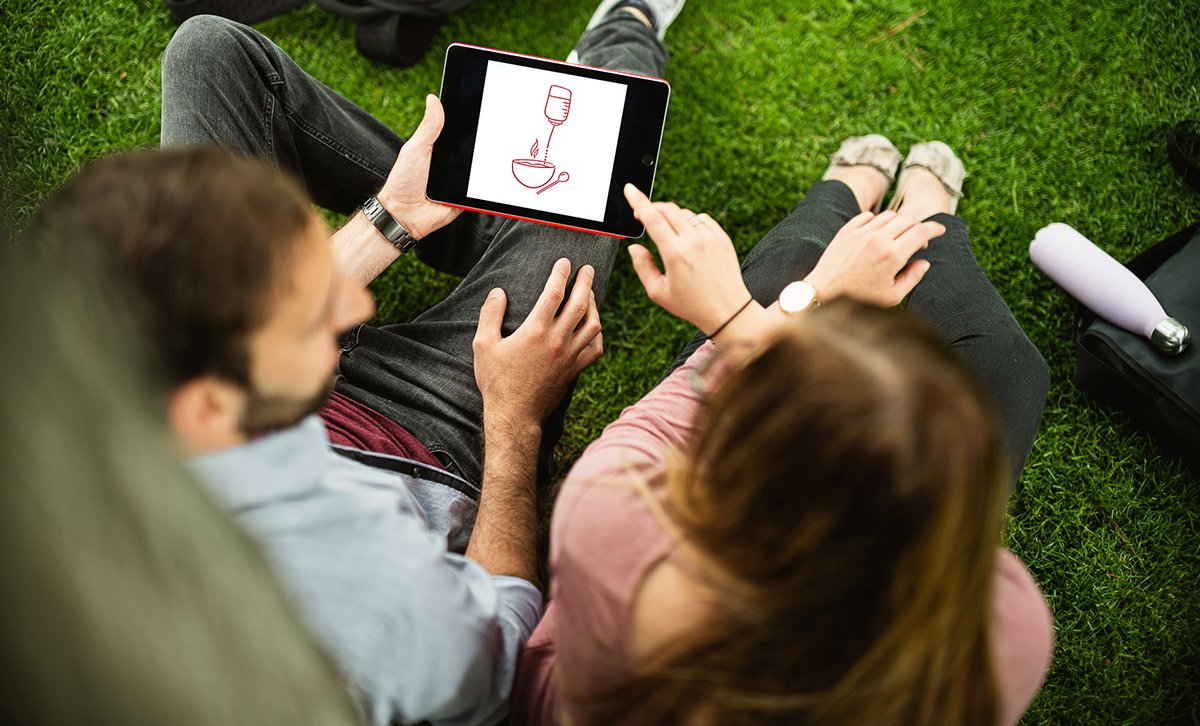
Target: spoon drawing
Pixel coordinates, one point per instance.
(561, 178)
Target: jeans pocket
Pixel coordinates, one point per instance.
(347, 343)
(349, 339)
(443, 455)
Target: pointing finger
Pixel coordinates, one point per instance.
(657, 226)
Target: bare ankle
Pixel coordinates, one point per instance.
(868, 184)
(925, 195)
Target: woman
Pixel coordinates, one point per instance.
(801, 523)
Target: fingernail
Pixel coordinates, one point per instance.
(495, 294)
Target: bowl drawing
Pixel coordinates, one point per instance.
(532, 173)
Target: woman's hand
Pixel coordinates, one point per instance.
(869, 259)
(702, 278)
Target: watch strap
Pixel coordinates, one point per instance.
(388, 226)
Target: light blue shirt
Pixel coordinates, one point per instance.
(420, 632)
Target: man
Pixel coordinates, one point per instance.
(125, 587)
(248, 298)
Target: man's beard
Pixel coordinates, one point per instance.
(266, 413)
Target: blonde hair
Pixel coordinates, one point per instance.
(847, 482)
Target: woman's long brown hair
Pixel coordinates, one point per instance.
(847, 483)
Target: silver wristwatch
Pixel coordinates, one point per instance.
(387, 225)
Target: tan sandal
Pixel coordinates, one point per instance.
(938, 159)
(872, 150)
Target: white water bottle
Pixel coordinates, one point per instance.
(1105, 286)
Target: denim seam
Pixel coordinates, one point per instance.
(268, 122)
(331, 143)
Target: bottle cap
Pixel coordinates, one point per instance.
(1171, 336)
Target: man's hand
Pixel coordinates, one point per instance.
(403, 194)
(523, 377)
(869, 257)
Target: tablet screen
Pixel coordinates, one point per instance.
(546, 140)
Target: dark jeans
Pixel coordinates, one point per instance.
(955, 298)
(228, 84)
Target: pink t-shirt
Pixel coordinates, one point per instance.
(605, 539)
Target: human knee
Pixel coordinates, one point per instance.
(1026, 381)
(201, 40)
(1028, 360)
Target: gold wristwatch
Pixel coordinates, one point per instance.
(798, 297)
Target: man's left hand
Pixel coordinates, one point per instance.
(523, 377)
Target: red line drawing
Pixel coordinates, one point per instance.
(535, 173)
(532, 173)
(558, 106)
(561, 178)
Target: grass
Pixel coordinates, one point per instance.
(1058, 109)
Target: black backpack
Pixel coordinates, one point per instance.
(396, 32)
(1160, 393)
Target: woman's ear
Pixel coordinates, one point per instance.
(205, 414)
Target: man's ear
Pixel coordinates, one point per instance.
(205, 414)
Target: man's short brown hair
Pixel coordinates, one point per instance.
(205, 238)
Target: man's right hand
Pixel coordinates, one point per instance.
(403, 193)
(523, 377)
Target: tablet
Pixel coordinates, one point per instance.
(546, 141)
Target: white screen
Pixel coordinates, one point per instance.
(515, 115)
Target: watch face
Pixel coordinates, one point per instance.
(797, 297)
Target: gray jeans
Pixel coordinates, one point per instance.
(955, 297)
(228, 84)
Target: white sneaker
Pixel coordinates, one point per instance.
(665, 12)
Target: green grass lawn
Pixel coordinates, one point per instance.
(1058, 109)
